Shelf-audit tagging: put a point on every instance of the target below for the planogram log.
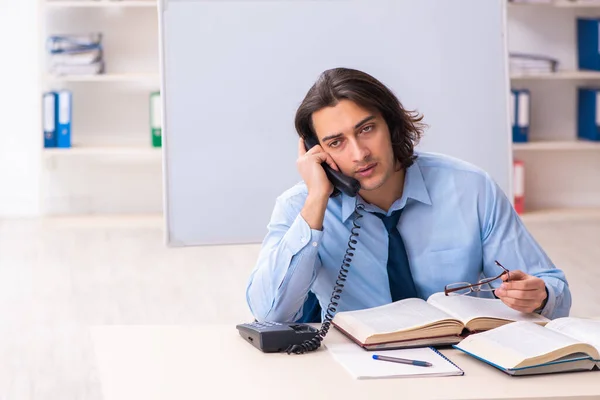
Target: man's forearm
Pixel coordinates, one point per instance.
(281, 302)
(284, 272)
(313, 211)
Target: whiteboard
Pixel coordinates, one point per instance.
(234, 72)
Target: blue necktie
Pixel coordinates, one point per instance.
(311, 310)
(402, 285)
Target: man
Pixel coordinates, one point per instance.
(428, 221)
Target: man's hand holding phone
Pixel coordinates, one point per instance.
(309, 165)
(318, 185)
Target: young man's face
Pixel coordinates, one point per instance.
(359, 142)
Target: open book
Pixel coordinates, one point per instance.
(438, 321)
(524, 348)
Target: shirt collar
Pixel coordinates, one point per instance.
(414, 188)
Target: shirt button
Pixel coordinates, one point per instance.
(314, 244)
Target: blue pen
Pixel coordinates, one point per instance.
(402, 361)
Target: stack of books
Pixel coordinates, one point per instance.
(514, 342)
(522, 63)
(76, 54)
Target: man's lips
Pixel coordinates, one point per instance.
(365, 168)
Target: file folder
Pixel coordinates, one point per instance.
(49, 118)
(520, 113)
(63, 137)
(155, 119)
(519, 186)
(588, 43)
(588, 114)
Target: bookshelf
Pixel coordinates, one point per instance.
(561, 172)
(111, 167)
(577, 4)
(559, 75)
(555, 145)
(132, 152)
(129, 77)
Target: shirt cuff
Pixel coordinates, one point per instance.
(547, 308)
(300, 234)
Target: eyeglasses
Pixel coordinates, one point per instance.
(463, 288)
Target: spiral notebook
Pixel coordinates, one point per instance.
(361, 365)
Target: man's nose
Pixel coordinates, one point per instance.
(359, 151)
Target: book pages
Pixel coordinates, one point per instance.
(582, 329)
(467, 308)
(402, 315)
(521, 344)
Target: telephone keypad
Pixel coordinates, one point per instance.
(264, 324)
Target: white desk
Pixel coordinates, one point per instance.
(200, 362)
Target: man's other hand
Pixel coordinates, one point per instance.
(523, 292)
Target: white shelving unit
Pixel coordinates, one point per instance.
(561, 172)
(558, 4)
(559, 75)
(556, 146)
(131, 151)
(101, 3)
(129, 77)
(112, 166)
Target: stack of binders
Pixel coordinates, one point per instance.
(76, 54)
(57, 114)
(523, 63)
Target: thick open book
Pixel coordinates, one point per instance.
(438, 321)
(524, 348)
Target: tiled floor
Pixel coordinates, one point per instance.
(60, 276)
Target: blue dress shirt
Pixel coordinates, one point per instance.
(456, 222)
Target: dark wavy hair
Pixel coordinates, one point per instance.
(336, 84)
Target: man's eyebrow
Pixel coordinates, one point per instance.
(337, 135)
(370, 117)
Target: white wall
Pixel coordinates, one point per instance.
(214, 108)
(20, 141)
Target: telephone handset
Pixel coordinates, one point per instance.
(300, 338)
(341, 182)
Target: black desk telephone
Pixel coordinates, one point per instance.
(300, 338)
(273, 337)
